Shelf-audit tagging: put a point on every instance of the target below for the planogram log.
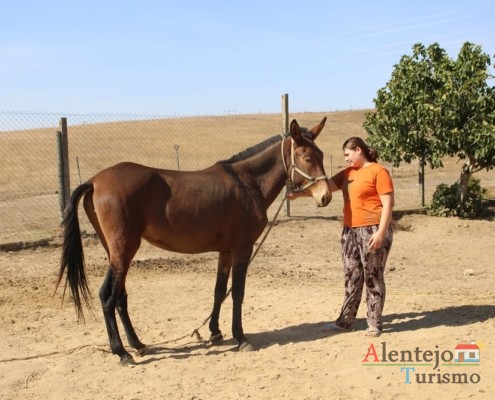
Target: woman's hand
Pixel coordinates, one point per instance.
(375, 241)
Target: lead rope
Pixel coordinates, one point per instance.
(290, 175)
(195, 332)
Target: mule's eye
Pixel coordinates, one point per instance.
(307, 158)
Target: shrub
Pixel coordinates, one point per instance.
(445, 202)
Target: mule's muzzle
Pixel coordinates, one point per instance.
(324, 200)
(321, 193)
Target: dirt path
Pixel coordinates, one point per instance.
(441, 294)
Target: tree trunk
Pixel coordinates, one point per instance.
(466, 173)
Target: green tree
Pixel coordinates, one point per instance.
(433, 107)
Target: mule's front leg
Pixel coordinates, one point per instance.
(238, 285)
(223, 272)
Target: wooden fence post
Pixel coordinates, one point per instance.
(63, 165)
(285, 127)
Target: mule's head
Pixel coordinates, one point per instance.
(306, 171)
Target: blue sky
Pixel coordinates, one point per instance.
(217, 57)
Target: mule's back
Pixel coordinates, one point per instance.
(187, 212)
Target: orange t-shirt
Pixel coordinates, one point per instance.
(362, 189)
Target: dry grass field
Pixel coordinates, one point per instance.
(440, 286)
(29, 200)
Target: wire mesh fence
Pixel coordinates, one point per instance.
(29, 182)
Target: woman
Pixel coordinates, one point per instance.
(367, 233)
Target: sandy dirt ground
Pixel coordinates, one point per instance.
(440, 295)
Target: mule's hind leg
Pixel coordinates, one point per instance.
(109, 296)
(223, 272)
(111, 288)
(132, 338)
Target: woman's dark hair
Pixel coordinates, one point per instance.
(353, 142)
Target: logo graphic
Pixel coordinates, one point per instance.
(412, 363)
(466, 353)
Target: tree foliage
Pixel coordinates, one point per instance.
(433, 107)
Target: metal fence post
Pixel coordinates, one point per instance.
(61, 197)
(285, 127)
(421, 176)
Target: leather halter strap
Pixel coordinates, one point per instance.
(294, 168)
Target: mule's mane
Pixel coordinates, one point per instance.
(251, 151)
(257, 148)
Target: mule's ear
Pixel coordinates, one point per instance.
(315, 130)
(295, 131)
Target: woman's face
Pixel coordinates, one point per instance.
(354, 158)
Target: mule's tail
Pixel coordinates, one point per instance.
(72, 258)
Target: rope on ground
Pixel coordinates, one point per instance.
(195, 332)
(56, 353)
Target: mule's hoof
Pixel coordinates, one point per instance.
(142, 351)
(216, 339)
(127, 360)
(246, 346)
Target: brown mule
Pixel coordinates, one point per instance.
(222, 208)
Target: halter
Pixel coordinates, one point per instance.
(294, 168)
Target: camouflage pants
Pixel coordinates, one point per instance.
(363, 267)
